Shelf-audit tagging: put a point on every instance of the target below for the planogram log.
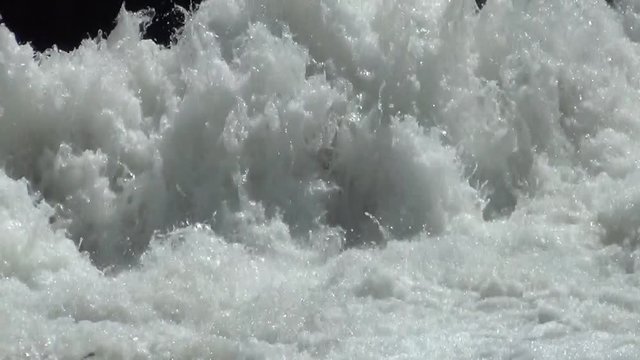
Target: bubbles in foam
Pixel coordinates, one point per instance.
(332, 179)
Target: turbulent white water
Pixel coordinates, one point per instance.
(339, 179)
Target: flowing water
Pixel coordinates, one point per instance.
(331, 179)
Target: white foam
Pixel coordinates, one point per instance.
(326, 179)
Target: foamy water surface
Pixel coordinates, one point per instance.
(332, 179)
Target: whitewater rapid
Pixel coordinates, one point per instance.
(332, 179)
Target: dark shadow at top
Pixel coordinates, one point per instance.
(65, 23)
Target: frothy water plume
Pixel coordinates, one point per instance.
(326, 179)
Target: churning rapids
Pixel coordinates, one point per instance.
(339, 179)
